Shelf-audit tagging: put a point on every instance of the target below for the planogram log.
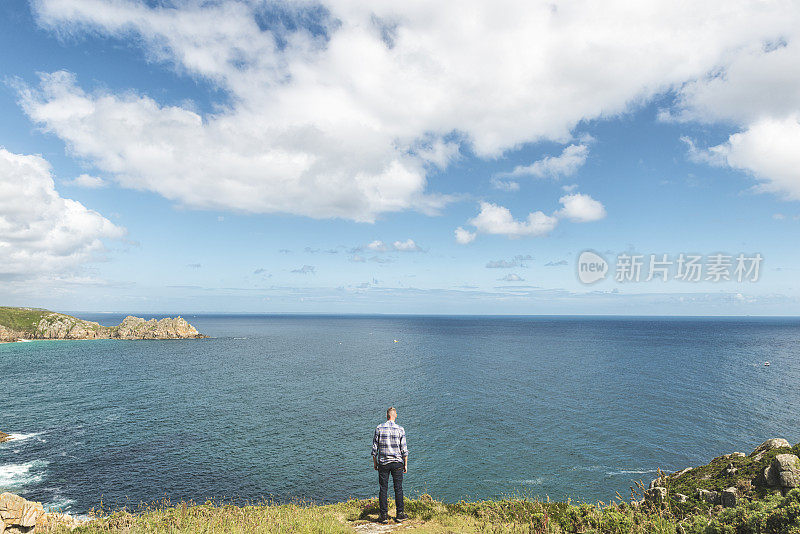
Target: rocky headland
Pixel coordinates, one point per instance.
(30, 323)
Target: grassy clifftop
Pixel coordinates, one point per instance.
(21, 319)
(763, 505)
(775, 514)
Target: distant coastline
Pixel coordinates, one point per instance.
(28, 324)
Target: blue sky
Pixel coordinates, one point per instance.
(320, 157)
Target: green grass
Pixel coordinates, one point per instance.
(775, 514)
(21, 319)
(759, 511)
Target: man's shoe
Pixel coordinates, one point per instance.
(401, 517)
(383, 518)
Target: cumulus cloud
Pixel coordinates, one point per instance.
(378, 246)
(497, 220)
(511, 277)
(757, 89)
(567, 163)
(767, 149)
(87, 181)
(464, 237)
(504, 185)
(40, 231)
(406, 246)
(581, 208)
(349, 120)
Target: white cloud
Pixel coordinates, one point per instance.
(87, 181)
(494, 219)
(504, 185)
(567, 163)
(511, 277)
(378, 246)
(767, 149)
(569, 188)
(464, 237)
(41, 232)
(349, 124)
(756, 87)
(406, 246)
(581, 208)
(498, 220)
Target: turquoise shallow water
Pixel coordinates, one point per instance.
(285, 406)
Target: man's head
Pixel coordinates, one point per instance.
(391, 414)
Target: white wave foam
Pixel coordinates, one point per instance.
(631, 472)
(13, 475)
(23, 437)
(60, 505)
(529, 482)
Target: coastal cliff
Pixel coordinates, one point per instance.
(734, 493)
(32, 323)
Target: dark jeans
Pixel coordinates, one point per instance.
(396, 469)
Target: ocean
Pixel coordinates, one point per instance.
(283, 407)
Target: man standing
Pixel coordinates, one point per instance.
(390, 455)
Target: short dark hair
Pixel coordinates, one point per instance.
(389, 412)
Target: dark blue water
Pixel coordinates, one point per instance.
(285, 406)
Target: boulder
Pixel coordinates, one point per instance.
(20, 515)
(770, 444)
(16, 512)
(681, 472)
(680, 497)
(730, 470)
(770, 477)
(787, 467)
(656, 494)
(4, 437)
(711, 497)
(729, 496)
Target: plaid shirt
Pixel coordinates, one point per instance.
(389, 443)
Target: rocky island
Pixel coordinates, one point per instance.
(24, 324)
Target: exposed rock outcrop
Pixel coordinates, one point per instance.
(784, 471)
(169, 328)
(19, 515)
(774, 443)
(60, 326)
(4, 437)
(31, 323)
(656, 494)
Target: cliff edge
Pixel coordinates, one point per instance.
(33, 323)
